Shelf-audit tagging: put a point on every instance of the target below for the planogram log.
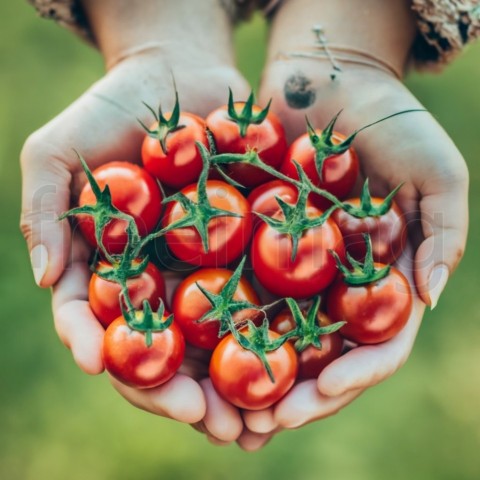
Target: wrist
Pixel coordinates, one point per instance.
(122, 28)
(381, 30)
(151, 75)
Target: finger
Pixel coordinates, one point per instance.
(47, 161)
(434, 199)
(260, 421)
(45, 195)
(199, 427)
(251, 442)
(369, 365)
(222, 420)
(75, 323)
(80, 331)
(304, 404)
(181, 398)
(444, 220)
(365, 366)
(217, 442)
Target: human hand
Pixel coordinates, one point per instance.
(411, 148)
(103, 126)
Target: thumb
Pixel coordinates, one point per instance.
(45, 195)
(444, 220)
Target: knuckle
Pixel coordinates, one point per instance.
(31, 148)
(462, 174)
(33, 221)
(456, 176)
(458, 255)
(25, 225)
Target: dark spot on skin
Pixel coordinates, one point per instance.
(298, 92)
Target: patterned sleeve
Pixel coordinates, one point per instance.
(444, 26)
(67, 13)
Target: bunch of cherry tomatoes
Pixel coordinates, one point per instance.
(237, 212)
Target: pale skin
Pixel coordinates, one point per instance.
(413, 149)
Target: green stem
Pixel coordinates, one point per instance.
(165, 126)
(246, 117)
(366, 207)
(362, 273)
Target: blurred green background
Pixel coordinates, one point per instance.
(57, 423)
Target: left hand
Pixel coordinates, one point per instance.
(411, 148)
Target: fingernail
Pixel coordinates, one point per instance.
(436, 284)
(39, 259)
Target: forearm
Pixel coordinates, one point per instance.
(181, 29)
(382, 29)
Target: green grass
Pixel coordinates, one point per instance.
(57, 423)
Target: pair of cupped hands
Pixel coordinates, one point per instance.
(102, 125)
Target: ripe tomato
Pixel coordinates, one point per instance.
(312, 360)
(374, 312)
(339, 172)
(134, 192)
(267, 138)
(388, 232)
(228, 236)
(103, 295)
(239, 376)
(190, 304)
(127, 357)
(313, 268)
(182, 163)
(262, 198)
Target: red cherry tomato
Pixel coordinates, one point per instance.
(339, 172)
(190, 304)
(267, 138)
(228, 236)
(133, 192)
(388, 232)
(312, 360)
(127, 357)
(262, 198)
(375, 312)
(182, 163)
(239, 376)
(103, 295)
(313, 268)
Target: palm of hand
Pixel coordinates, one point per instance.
(103, 126)
(410, 149)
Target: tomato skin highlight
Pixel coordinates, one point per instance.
(388, 232)
(189, 304)
(311, 361)
(374, 313)
(239, 376)
(267, 138)
(103, 295)
(339, 172)
(182, 163)
(134, 191)
(313, 269)
(127, 357)
(228, 236)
